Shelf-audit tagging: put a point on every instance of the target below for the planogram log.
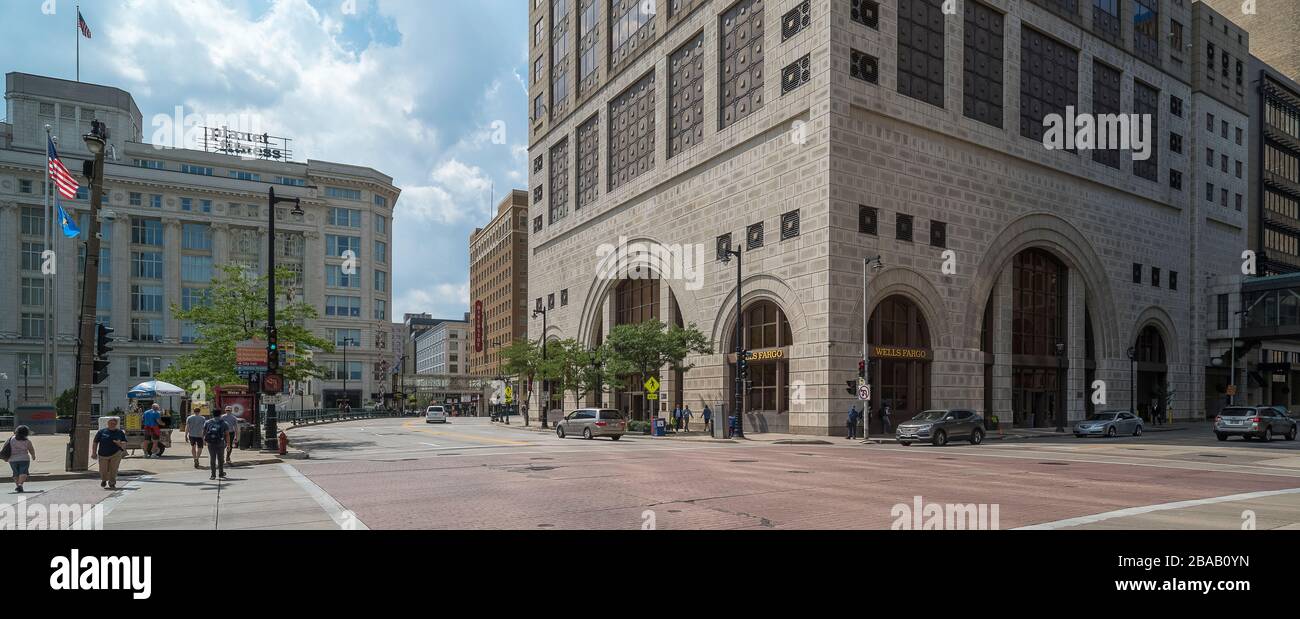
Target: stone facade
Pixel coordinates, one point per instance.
(870, 171)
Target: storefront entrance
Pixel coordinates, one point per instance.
(900, 360)
(1038, 343)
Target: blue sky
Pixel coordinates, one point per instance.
(413, 88)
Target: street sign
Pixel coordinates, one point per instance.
(1232, 390)
(652, 385)
(272, 384)
(652, 396)
(250, 357)
(864, 393)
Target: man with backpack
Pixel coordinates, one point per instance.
(214, 432)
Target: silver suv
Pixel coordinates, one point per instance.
(1262, 422)
(592, 422)
(938, 426)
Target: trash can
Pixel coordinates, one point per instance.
(245, 436)
(733, 426)
(661, 426)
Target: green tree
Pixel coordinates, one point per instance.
(576, 369)
(235, 311)
(523, 358)
(642, 350)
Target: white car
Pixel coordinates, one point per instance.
(435, 414)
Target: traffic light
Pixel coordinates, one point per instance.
(853, 387)
(103, 337)
(101, 372)
(862, 368)
(272, 351)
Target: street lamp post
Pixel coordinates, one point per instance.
(546, 394)
(1132, 381)
(272, 336)
(1061, 408)
(742, 367)
(868, 264)
(25, 365)
(79, 460)
(7, 407)
(1232, 381)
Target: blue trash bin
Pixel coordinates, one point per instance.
(661, 426)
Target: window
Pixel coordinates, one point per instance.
(1146, 103)
(1223, 312)
(147, 264)
(754, 236)
(863, 66)
(1223, 198)
(740, 63)
(381, 281)
(1175, 143)
(537, 224)
(381, 223)
(1209, 192)
(33, 291)
(589, 162)
(723, 245)
(1175, 106)
(550, 301)
(336, 277)
(33, 325)
(1239, 201)
(1175, 179)
(796, 19)
(1146, 30)
(865, 12)
(685, 96)
(155, 201)
(921, 50)
(196, 237)
(343, 307)
(24, 185)
(252, 176)
(631, 132)
(564, 297)
(146, 329)
(32, 256)
(982, 94)
(1209, 157)
(903, 228)
(335, 246)
(1238, 136)
(205, 206)
(1209, 122)
(342, 193)
(381, 309)
(561, 45)
(196, 269)
(31, 364)
(345, 217)
(867, 218)
(193, 297)
(349, 338)
(1176, 37)
(938, 234)
(144, 367)
(33, 221)
(537, 164)
(539, 109)
(559, 171)
(790, 225)
(381, 252)
(1173, 280)
(1137, 273)
(1048, 81)
(146, 163)
(1223, 129)
(1223, 163)
(796, 74)
(538, 31)
(135, 199)
(147, 299)
(291, 182)
(631, 23)
(194, 169)
(1155, 277)
(1105, 101)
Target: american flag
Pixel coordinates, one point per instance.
(59, 175)
(81, 23)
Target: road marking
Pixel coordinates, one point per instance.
(1183, 465)
(1137, 511)
(342, 517)
(431, 444)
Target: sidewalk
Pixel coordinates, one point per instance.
(51, 450)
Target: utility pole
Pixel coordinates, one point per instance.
(742, 364)
(867, 265)
(271, 436)
(79, 460)
(546, 393)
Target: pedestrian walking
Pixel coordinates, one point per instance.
(677, 419)
(686, 417)
(852, 422)
(151, 423)
(708, 419)
(19, 452)
(109, 447)
(232, 424)
(194, 432)
(215, 431)
(887, 418)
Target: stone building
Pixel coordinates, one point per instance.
(812, 136)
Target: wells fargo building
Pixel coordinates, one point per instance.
(812, 135)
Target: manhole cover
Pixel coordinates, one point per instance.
(1055, 463)
(744, 461)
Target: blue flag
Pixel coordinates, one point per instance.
(70, 228)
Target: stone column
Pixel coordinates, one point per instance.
(1003, 305)
(11, 253)
(220, 243)
(171, 277)
(1076, 391)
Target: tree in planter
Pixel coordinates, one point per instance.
(574, 368)
(644, 349)
(235, 311)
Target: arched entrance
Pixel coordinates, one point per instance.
(767, 391)
(1038, 339)
(1152, 373)
(900, 356)
(635, 301)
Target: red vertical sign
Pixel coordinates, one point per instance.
(478, 326)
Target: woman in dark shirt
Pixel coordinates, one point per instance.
(109, 447)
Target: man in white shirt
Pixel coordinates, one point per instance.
(194, 432)
(232, 423)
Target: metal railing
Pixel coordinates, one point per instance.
(330, 415)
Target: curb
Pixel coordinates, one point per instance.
(41, 477)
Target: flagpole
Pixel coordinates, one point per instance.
(77, 29)
(46, 346)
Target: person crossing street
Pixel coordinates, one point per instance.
(215, 431)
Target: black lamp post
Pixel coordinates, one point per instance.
(25, 365)
(546, 392)
(79, 444)
(742, 367)
(1061, 410)
(272, 336)
(7, 394)
(347, 372)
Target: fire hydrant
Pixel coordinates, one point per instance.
(284, 443)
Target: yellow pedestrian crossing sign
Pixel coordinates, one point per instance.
(652, 386)
(510, 395)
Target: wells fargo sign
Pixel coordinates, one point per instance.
(913, 354)
(767, 355)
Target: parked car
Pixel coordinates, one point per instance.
(1109, 424)
(938, 426)
(435, 414)
(592, 422)
(1262, 422)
